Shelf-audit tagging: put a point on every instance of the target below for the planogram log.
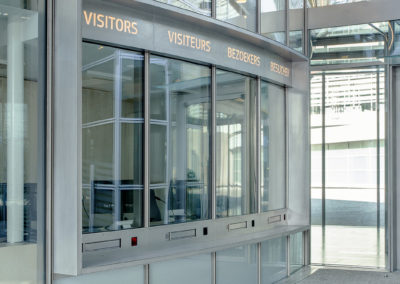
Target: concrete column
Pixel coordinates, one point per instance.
(15, 131)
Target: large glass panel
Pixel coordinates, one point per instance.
(296, 252)
(348, 44)
(241, 13)
(322, 3)
(112, 138)
(273, 260)
(194, 270)
(22, 142)
(235, 144)
(273, 19)
(273, 158)
(237, 265)
(296, 24)
(180, 140)
(130, 275)
(199, 6)
(352, 218)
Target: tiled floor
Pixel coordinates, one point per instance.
(314, 275)
(360, 246)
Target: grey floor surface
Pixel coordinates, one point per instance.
(315, 275)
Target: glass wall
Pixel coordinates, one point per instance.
(296, 24)
(273, 151)
(199, 6)
(273, 260)
(179, 141)
(193, 269)
(273, 19)
(112, 138)
(237, 265)
(22, 142)
(348, 44)
(241, 13)
(296, 252)
(235, 144)
(348, 192)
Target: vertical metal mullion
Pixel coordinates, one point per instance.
(214, 9)
(390, 169)
(378, 160)
(305, 28)
(287, 114)
(146, 273)
(146, 178)
(259, 266)
(258, 145)
(117, 136)
(213, 142)
(258, 16)
(287, 22)
(288, 255)
(323, 151)
(50, 11)
(213, 268)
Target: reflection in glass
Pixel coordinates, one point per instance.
(273, 260)
(112, 143)
(237, 265)
(199, 6)
(241, 13)
(322, 3)
(296, 252)
(348, 44)
(296, 40)
(193, 269)
(22, 142)
(180, 139)
(273, 158)
(273, 19)
(352, 186)
(235, 144)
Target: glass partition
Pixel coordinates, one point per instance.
(112, 138)
(199, 6)
(273, 260)
(22, 141)
(273, 149)
(273, 19)
(348, 44)
(241, 13)
(179, 141)
(296, 252)
(235, 144)
(193, 269)
(237, 265)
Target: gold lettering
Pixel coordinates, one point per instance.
(170, 36)
(94, 19)
(179, 39)
(111, 22)
(135, 28)
(87, 18)
(100, 20)
(119, 25)
(127, 26)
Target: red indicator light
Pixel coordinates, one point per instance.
(134, 241)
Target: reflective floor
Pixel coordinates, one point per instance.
(316, 275)
(348, 245)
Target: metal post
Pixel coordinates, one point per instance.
(213, 143)
(258, 145)
(15, 131)
(146, 191)
(378, 160)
